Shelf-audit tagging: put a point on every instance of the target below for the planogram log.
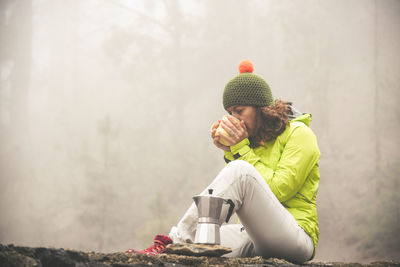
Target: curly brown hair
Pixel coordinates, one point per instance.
(271, 122)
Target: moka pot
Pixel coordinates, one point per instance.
(209, 209)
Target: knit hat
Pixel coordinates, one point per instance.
(247, 89)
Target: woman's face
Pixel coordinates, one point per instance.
(246, 113)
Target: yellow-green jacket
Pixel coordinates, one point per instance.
(289, 165)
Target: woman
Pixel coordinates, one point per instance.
(271, 176)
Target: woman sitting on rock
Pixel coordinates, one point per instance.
(271, 176)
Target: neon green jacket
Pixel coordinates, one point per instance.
(289, 165)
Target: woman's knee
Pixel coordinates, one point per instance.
(239, 164)
(240, 169)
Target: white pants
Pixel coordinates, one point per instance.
(269, 229)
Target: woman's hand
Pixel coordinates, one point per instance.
(236, 129)
(216, 138)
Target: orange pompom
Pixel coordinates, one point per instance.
(246, 66)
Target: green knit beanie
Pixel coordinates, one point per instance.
(247, 89)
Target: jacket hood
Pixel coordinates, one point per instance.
(301, 117)
(305, 118)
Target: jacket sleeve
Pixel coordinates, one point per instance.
(299, 155)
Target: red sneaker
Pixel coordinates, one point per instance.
(160, 242)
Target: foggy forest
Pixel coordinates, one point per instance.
(106, 108)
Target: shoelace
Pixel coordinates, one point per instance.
(158, 247)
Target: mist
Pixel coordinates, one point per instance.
(106, 106)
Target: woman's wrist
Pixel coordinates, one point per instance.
(241, 148)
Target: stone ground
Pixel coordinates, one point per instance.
(16, 256)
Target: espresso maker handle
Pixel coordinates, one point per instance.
(230, 211)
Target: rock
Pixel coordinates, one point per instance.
(197, 250)
(12, 258)
(16, 256)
